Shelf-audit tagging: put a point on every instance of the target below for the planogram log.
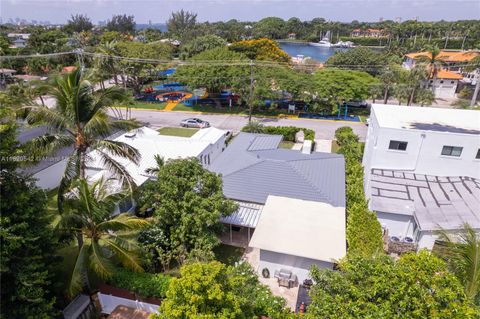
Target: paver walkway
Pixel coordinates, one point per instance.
(171, 104)
(324, 146)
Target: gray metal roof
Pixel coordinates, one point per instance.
(247, 215)
(251, 175)
(435, 202)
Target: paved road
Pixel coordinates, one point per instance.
(323, 129)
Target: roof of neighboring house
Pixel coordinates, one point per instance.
(302, 228)
(447, 56)
(247, 215)
(427, 118)
(76, 307)
(149, 143)
(7, 71)
(444, 74)
(124, 312)
(435, 202)
(211, 134)
(253, 167)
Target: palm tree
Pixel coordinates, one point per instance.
(415, 78)
(106, 63)
(432, 63)
(80, 119)
(463, 256)
(253, 127)
(474, 66)
(105, 241)
(388, 78)
(159, 161)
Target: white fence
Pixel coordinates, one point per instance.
(109, 303)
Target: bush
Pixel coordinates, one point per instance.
(288, 132)
(364, 233)
(144, 284)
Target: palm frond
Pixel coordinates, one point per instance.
(98, 125)
(79, 270)
(123, 222)
(127, 258)
(125, 125)
(118, 170)
(120, 149)
(100, 263)
(72, 170)
(48, 144)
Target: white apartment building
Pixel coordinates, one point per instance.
(422, 170)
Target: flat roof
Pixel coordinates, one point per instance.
(247, 215)
(301, 228)
(435, 202)
(427, 118)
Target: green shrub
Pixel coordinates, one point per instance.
(288, 132)
(144, 284)
(364, 233)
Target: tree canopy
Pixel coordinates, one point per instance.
(79, 23)
(204, 43)
(214, 290)
(416, 286)
(28, 249)
(122, 23)
(361, 59)
(181, 24)
(270, 27)
(261, 49)
(187, 202)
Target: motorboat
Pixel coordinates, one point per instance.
(325, 42)
(343, 44)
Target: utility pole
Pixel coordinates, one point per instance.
(250, 98)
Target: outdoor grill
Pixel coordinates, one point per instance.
(285, 278)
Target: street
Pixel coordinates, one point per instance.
(323, 129)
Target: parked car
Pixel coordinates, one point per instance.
(359, 104)
(194, 122)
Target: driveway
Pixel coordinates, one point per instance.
(323, 129)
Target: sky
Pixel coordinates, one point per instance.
(158, 11)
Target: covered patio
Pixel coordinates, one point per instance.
(241, 224)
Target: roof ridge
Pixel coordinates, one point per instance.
(315, 159)
(243, 168)
(330, 201)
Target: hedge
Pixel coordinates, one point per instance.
(364, 232)
(144, 284)
(288, 132)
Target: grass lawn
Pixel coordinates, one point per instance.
(148, 105)
(178, 131)
(227, 254)
(286, 144)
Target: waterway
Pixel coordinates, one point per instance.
(320, 54)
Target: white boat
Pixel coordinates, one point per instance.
(325, 42)
(342, 44)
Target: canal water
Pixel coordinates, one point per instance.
(320, 54)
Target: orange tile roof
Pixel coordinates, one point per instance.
(444, 74)
(448, 56)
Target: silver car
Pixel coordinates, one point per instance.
(194, 122)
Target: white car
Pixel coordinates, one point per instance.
(194, 122)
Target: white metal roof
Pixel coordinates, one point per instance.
(427, 118)
(149, 143)
(247, 215)
(302, 228)
(209, 134)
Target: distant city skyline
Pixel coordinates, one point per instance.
(59, 11)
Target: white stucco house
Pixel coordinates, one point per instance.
(422, 170)
(291, 204)
(206, 145)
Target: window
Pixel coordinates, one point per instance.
(452, 82)
(478, 154)
(441, 82)
(397, 145)
(452, 151)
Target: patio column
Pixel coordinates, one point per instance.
(248, 241)
(231, 239)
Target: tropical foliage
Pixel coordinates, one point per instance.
(261, 49)
(103, 241)
(416, 286)
(187, 202)
(364, 233)
(80, 119)
(142, 283)
(214, 290)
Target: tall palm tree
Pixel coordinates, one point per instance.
(105, 241)
(474, 66)
(415, 79)
(106, 63)
(463, 256)
(80, 119)
(432, 63)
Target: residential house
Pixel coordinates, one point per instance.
(368, 33)
(206, 145)
(18, 40)
(422, 170)
(291, 203)
(453, 72)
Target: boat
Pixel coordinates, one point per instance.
(343, 44)
(325, 42)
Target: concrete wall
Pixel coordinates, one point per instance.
(299, 266)
(212, 152)
(444, 87)
(423, 153)
(398, 225)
